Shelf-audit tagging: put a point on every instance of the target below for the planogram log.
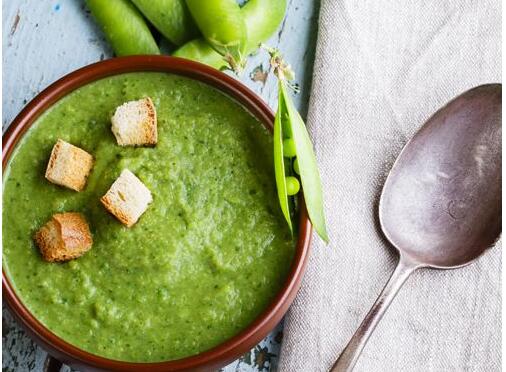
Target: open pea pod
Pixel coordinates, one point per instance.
(223, 26)
(308, 167)
(279, 161)
(170, 17)
(124, 27)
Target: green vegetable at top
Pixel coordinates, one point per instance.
(261, 18)
(123, 26)
(170, 17)
(230, 32)
(222, 25)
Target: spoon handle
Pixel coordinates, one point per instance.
(351, 352)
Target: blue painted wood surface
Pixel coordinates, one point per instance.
(46, 39)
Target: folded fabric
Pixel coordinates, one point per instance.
(381, 69)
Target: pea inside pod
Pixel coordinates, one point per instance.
(223, 26)
(170, 17)
(289, 150)
(124, 27)
(292, 185)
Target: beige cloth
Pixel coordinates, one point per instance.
(381, 69)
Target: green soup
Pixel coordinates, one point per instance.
(203, 262)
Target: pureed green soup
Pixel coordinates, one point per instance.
(203, 262)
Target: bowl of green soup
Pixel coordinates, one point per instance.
(208, 270)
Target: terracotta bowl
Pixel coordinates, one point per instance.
(230, 349)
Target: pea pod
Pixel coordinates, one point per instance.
(308, 167)
(261, 17)
(223, 26)
(124, 27)
(170, 17)
(199, 50)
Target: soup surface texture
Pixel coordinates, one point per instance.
(203, 262)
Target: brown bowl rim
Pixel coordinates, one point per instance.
(232, 348)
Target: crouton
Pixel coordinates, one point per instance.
(127, 199)
(134, 123)
(69, 166)
(65, 237)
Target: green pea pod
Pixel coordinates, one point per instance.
(170, 17)
(279, 161)
(308, 168)
(199, 50)
(124, 27)
(223, 26)
(262, 18)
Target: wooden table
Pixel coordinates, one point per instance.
(46, 39)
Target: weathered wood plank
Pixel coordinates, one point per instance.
(46, 39)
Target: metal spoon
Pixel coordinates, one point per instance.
(441, 203)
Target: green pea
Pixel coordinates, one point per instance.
(170, 17)
(223, 26)
(289, 148)
(199, 50)
(296, 166)
(262, 18)
(123, 26)
(292, 185)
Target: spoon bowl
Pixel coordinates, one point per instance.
(441, 203)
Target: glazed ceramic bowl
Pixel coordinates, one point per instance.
(232, 348)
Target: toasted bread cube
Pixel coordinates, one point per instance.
(65, 237)
(69, 166)
(134, 123)
(127, 199)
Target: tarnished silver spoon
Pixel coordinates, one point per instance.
(441, 203)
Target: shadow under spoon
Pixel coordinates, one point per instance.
(441, 203)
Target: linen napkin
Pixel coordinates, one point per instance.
(381, 69)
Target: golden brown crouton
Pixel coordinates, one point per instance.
(69, 166)
(65, 237)
(134, 123)
(127, 199)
